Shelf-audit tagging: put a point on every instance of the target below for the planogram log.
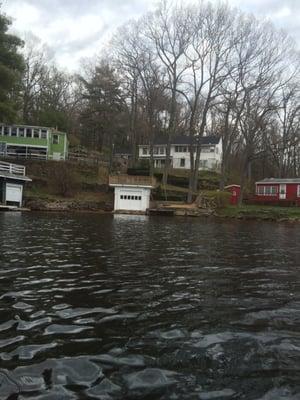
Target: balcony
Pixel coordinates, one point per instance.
(12, 169)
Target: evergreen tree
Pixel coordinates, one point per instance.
(11, 67)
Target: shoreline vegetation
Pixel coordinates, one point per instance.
(71, 187)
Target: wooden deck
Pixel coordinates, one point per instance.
(12, 208)
(132, 180)
(12, 169)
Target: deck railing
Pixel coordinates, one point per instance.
(13, 169)
(132, 180)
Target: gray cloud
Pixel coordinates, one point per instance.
(77, 28)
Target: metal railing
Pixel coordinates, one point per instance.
(13, 169)
(132, 180)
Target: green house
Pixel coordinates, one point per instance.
(33, 142)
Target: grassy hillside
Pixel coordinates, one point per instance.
(66, 181)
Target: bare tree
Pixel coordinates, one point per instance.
(169, 30)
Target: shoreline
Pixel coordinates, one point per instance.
(244, 213)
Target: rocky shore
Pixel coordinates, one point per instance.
(67, 205)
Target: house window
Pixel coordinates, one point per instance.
(121, 197)
(6, 131)
(21, 132)
(298, 191)
(14, 131)
(181, 149)
(212, 150)
(260, 190)
(44, 134)
(161, 150)
(182, 162)
(55, 139)
(155, 150)
(28, 132)
(145, 151)
(36, 133)
(266, 190)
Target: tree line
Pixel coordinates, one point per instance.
(194, 69)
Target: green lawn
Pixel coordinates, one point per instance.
(260, 212)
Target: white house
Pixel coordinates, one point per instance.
(132, 193)
(210, 158)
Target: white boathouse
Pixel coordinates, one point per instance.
(132, 193)
(12, 181)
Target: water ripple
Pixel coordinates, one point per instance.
(130, 308)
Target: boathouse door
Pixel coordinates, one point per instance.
(14, 194)
(282, 191)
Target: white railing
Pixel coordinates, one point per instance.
(13, 169)
(26, 156)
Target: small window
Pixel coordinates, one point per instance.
(21, 132)
(36, 133)
(121, 197)
(260, 190)
(140, 197)
(1, 130)
(145, 150)
(212, 149)
(155, 150)
(44, 133)
(135, 197)
(28, 132)
(161, 150)
(55, 139)
(176, 149)
(14, 131)
(298, 191)
(182, 162)
(273, 190)
(6, 131)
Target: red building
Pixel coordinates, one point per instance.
(278, 191)
(235, 191)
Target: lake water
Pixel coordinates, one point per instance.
(124, 307)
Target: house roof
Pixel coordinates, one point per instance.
(278, 180)
(123, 150)
(187, 140)
(232, 185)
(14, 177)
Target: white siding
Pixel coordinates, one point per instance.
(210, 158)
(131, 198)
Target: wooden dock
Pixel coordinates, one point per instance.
(169, 212)
(12, 208)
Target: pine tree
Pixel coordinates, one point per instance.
(11, 67)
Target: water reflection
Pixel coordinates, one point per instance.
(130, 307)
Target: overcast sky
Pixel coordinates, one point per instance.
(76, 29)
